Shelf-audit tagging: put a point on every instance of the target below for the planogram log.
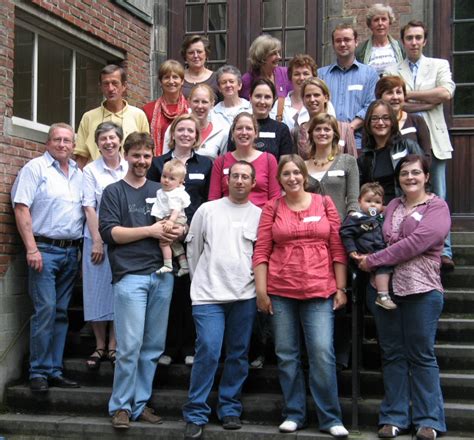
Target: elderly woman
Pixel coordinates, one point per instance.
(392, 89)
(415, 227)
(244, 132)
(383, 149)
(184, 142)
(300, 276)
(273, 136)
(315, 95)
(172, 103)
(229, 80)
(195, 51)
(213, 133)
(381, 51)
(96, 272)
(264, 57)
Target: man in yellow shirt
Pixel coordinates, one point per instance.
(113, 83)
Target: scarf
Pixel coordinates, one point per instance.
(162, 118)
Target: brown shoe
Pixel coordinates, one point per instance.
(148, 415)
(121, 419)
(447, 264)
(425, 433)
(388, 431)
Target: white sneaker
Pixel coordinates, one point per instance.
(189, 361)
(258, 362)
(165, 360)
(338, 431)
(288, 426)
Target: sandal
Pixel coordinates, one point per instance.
(111, 357)
(94, 360)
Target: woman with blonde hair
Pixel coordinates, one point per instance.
(264, 57)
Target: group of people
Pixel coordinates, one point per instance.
(234, 199)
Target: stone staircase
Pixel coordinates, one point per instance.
(82, 413)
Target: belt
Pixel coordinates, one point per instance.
(58, 242)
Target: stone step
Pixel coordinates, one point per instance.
(461, 277)
(459, 357)
(176, 376)
(262, 408)
(459, 300)
(30, 426)
(464, 254)
(460, 238)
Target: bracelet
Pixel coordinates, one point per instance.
(32, 252)
(342, 289)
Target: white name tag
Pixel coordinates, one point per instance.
(150, 200)
(408, 130)
(267, 135)
(353, 87)
(236, 224)
(336, 173)
(417, 216)
(399, 155)
(226, 171)
(197, 176)
(314, 218)
(342, 143)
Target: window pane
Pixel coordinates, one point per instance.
(218, 46)
(463, 9)
(87, 90)
(463, 99)
(195, 1)
(217, 18)
(276, 34)
(463, 69)
(295, 12)
(463, 36)
(54, 64)
(195, 19)
(295, 43)
(22, 73)
(272, 13)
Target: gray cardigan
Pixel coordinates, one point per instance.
(341, 183)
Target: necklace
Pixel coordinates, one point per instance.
(321, 163)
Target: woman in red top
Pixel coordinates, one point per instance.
(162, 112)
(244, 131)
(300, 275)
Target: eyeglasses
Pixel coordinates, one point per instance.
(414, 173)
(383, 118)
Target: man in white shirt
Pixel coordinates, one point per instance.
(220, 248)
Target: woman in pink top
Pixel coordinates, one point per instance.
(300, 276)
(415, 227)
(244, 131)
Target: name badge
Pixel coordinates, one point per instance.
(336, 173)
(267, 135)
(342, 143)
(236, 224)
(355, 87)
(197, 176)
(225, 171)
(417, 216)
(150, 200)
(408, 130)
(399, 155)
(313, 218)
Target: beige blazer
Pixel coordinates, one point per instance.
(433, 72)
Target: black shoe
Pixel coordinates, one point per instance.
(62, 382)
(193, 431)
(39, 385)
(231, 422)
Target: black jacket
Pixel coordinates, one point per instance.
(362, 233)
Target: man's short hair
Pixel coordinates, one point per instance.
(176, 167)
(253, 173)
(60, 125)
(112, 68)
(343, 27)
(414, 23)
(137, 139)
(373, 187)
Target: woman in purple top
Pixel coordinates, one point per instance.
(264, 57)
(415, 227)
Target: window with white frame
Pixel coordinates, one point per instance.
(53, 80)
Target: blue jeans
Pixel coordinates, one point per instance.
(410, 370)
(141, 306)
(438, 185)
(232, 324)
(316, 318)
(50, 291)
